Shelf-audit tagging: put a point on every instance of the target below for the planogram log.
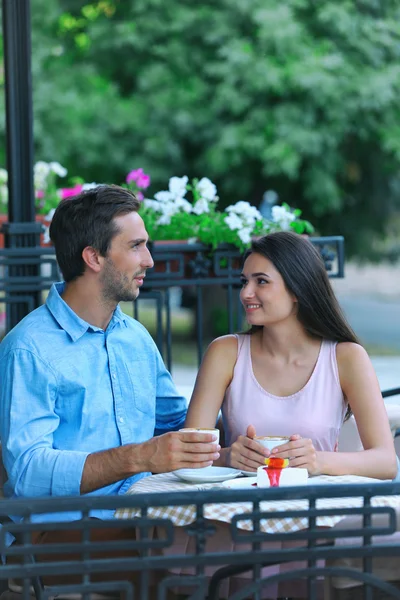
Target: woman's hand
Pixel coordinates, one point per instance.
(300, 452)
(246, 454)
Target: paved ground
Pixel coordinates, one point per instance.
(370, 298)
(376, 321)
(372, 281)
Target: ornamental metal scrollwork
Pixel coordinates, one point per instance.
(199, 266)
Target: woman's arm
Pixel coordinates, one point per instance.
(213, 379)
(361, 388)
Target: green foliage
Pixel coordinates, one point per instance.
(297, 96)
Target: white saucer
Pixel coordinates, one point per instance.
(249, 473)
(245, 483)
(207, 474)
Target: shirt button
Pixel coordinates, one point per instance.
(114, 376)
(121, 419)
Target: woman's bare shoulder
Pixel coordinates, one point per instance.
(352, 359)
(226, 345)
(218, 362)
(350, 351)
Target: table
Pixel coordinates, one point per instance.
(220, 515)
(184, 515)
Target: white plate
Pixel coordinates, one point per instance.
(207, 474)
(245, 483)
(249, 473)
(248, 483)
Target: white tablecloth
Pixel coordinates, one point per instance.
(184, 515)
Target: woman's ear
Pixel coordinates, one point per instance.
(92, 259)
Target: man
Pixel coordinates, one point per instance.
(87, 405)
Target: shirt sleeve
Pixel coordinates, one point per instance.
(28, 420)
(171, 407)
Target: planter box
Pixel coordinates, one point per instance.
(178, 262)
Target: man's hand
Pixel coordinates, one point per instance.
(246, 454)
(178, 450)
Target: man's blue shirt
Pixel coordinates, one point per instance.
(69, 389)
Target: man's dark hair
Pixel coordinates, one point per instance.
(88, 220)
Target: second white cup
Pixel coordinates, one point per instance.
(271, 441)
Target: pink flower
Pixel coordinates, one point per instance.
(143, 181)
(72, 191)
(39, 194)
(139, 196)
(134, 175)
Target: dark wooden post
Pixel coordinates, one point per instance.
(21, 230)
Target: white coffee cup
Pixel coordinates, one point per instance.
(271, 441)
(202, 430)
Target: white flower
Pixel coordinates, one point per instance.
(153, 204)
(89, 186)
(58, 169)
(50, 215)
(245, 210)
(282, 217)
(245, 235)
(201, 207)
(183, 204)
(177, 186)
(164, 220)
(163, 196)
(3, 194)
(46, 235)
(233, 222)
(41, 171)
(168, 204)
(3, 176)
(169, 209)
(207, 190)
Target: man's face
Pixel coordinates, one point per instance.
(127, 260)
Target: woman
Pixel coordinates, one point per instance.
(298, 372)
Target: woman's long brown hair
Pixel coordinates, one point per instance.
(304, 273)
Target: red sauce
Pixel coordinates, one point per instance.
(274, 470)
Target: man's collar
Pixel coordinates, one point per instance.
(119, 317)
(69, 320)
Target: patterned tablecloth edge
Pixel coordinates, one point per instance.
(182, 519)
(182, 516)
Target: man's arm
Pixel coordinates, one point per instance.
(28, 421)
(161, 454)
(171, 407)
(168, 451)
(35, 468)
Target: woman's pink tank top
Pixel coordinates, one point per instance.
(316, 411)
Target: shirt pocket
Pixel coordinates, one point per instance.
(143, 385)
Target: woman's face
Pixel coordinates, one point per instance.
(264, 295)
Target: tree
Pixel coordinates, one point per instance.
(300, 96)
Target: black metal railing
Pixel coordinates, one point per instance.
(26, 272)
(363, 533)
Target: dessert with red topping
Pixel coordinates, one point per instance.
(278, 473)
